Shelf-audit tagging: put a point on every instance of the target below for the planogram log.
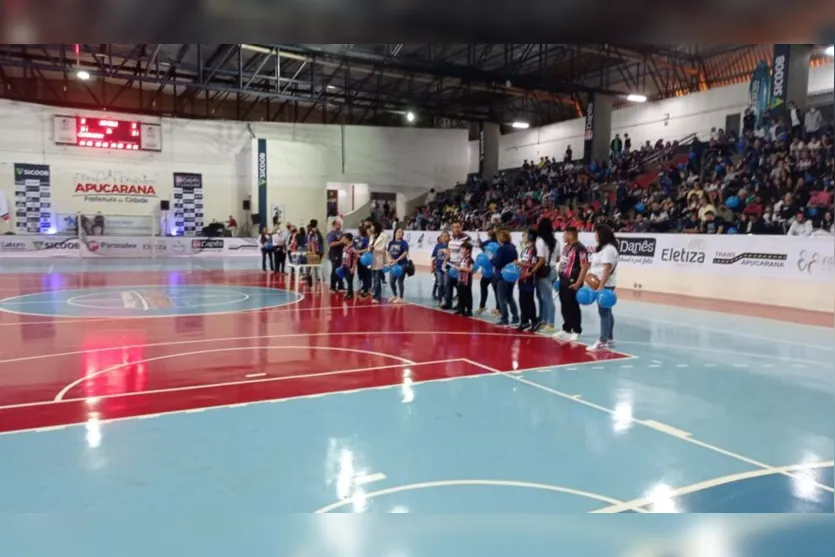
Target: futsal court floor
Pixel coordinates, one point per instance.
(134, 386)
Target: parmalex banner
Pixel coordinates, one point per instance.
(125, 246)
(780, 257)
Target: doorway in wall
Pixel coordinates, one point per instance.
(732, 123)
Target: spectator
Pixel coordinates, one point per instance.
(800, 226)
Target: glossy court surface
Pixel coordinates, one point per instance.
(177, 385)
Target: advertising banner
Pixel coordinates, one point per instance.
(588, 135)
(188, 203)
(262, 181)
(116, 191)
(32, 202)
(779, 80)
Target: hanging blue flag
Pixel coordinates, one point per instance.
(758, 90)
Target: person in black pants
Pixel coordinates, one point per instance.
(574, 264)
(265, 241)
(465, 281)
(335, 246)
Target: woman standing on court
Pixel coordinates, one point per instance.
(363, 272)
(438, 256)
(602, 276)
(574, 264)
(399, 253)
(377, 246)
(265, 242)
(547, 253)
(505, 255)
(486, 283)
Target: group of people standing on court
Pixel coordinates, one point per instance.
(345, 252)
(544, 267)
(277, 246)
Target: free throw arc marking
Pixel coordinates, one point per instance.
(90, 376)
(457, 483)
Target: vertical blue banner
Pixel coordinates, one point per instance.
(588, 131)
(779, 80)
(759, 90)
(262, 182)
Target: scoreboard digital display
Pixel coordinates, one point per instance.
(107, 133)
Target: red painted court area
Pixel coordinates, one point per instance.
(55, 372)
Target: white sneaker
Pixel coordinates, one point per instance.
(573, 337)
(561, 335)
(598, 345)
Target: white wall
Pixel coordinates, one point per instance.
(670, 119)
(301, 160)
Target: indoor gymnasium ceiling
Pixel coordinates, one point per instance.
(445, 85)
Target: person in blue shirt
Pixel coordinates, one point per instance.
(487, 282)
(505, 255)
(439, 253)
(399, 253)
(363, 272)
(335, 247)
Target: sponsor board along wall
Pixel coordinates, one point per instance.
(782, 271)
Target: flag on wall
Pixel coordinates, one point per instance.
(758, 90)
(780, 80)
(4, 207)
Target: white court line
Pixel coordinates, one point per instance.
(368, 478)
(715, 482)
(238, 405)
(254, 375)
(240, 382)
(142, 300)
(299, 298)
(622, 356)
(98, 298)
(491, 483)
(90, 376)
(129, 318)
(688, 439)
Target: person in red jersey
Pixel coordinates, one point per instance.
(465, 281)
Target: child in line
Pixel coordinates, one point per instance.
(465, 281)
(349, 263)
(439, 253)
(527, 284)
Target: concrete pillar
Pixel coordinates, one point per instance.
(598, 132)
(488, 149)
(789, 77)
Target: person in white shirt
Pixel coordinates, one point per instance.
(800, 226)
(547, 254)
(280, 240)
(603, 275)
(378, 246)
(813, 120)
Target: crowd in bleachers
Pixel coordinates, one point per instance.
(775, 177)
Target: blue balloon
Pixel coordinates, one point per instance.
(340, 272)
(586, 296)
(732, 230)
(487, 271)
(453, 273)
(607, 299)
(640, 207)
(396, 271)
(492, 249)
(557, 284)
(386, 268)
(366, 259)
(483, 260)
(511, 272)
(732, 202)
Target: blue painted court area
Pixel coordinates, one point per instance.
(148, 301)
(715, 414)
